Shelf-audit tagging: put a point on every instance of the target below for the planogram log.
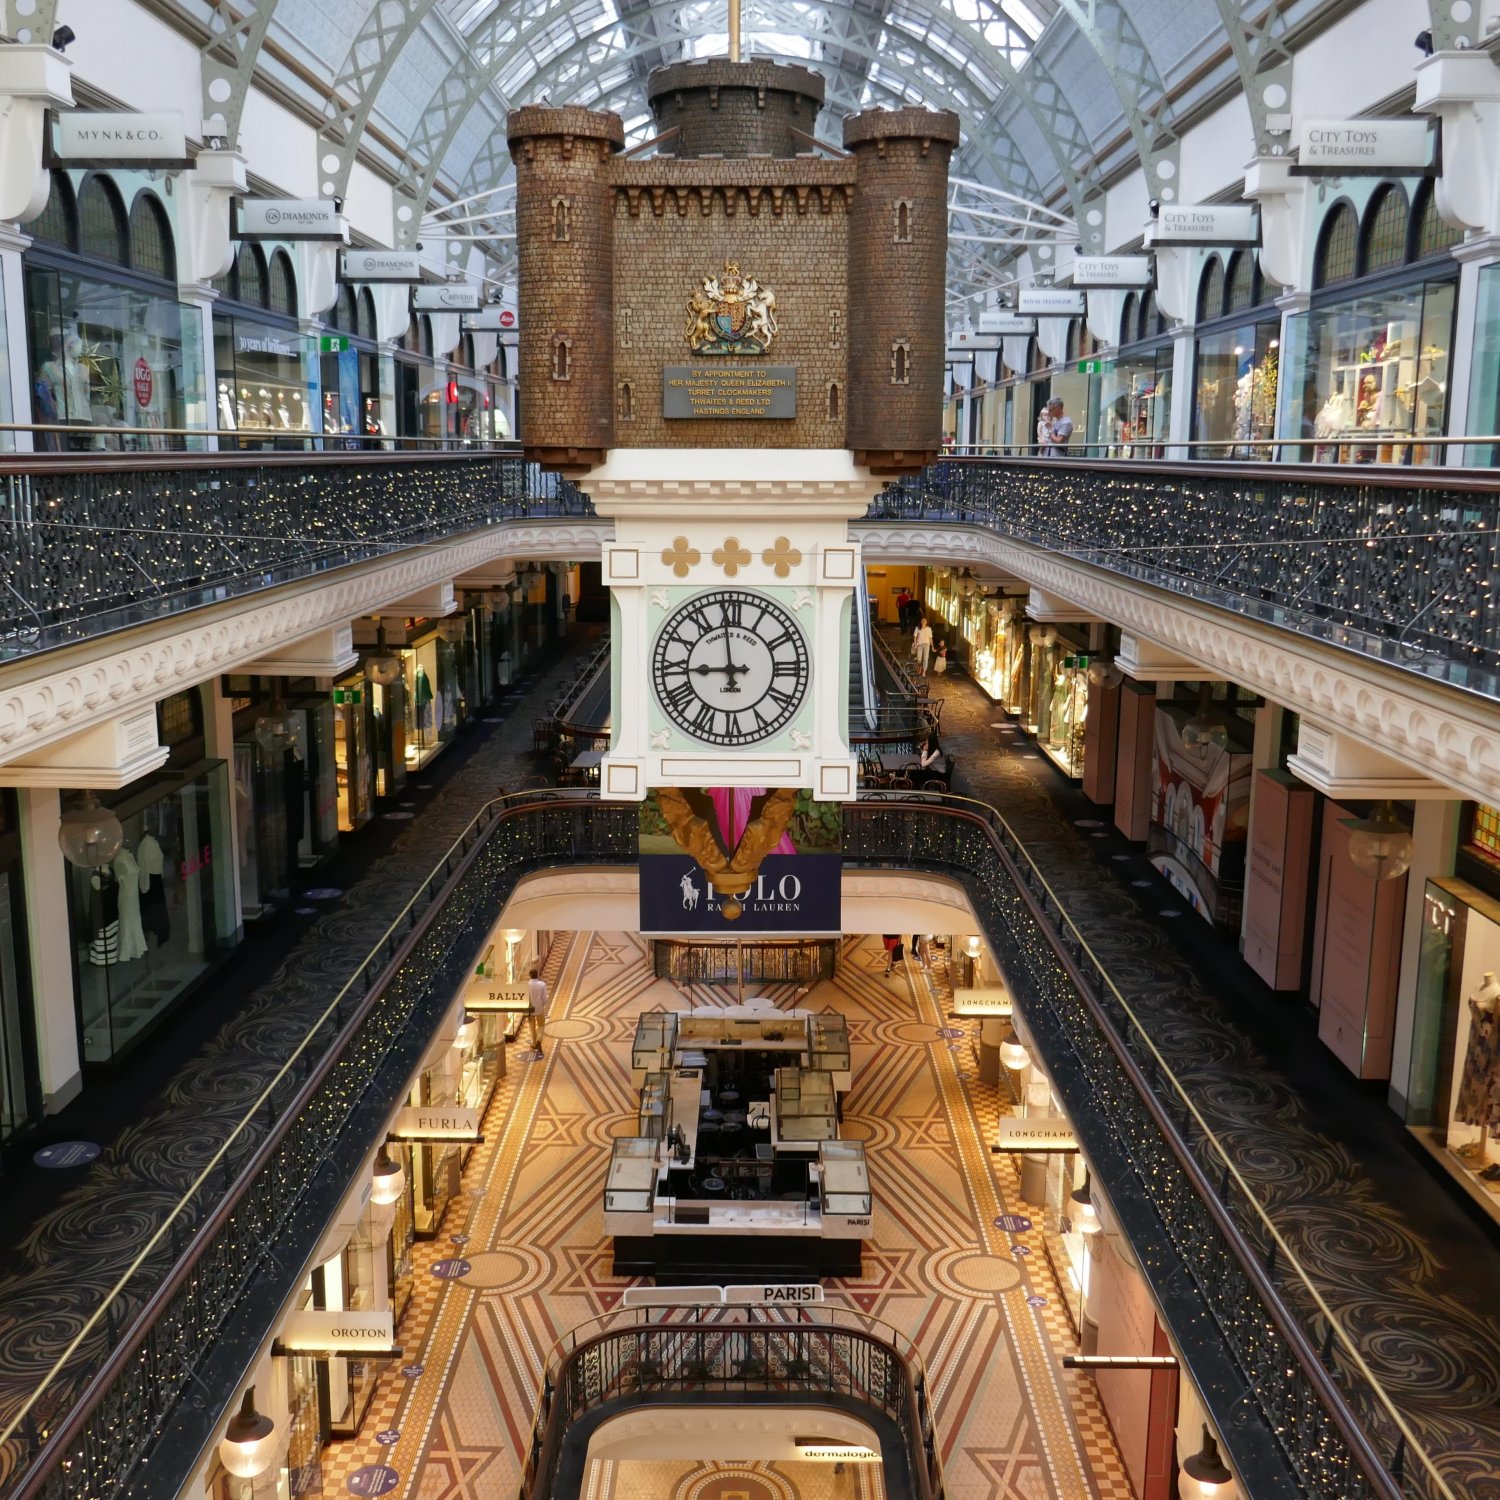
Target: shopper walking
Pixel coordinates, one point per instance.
(921, 646)
(536, 997)
(904, 602)
(894, 953)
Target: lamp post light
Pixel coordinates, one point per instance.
(247, 1447)
(1207, 1468)
(1381, 845)
(89, 834)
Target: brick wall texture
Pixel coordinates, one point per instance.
(854, 250)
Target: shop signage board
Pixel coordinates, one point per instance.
(1205, 224)
(287, 219)
(982, 1003)
(97, 138)
(266, 342)
(763, 1294)
(492, 320)
(1006, 325)
(730, 391)
(445, 1122)
(1097, 272)
(829, 1451)
(1365, 148)
(380, 265)
(488, 996)
(452, 296)
(1050, 302)
(1020, 1134)
(339, 1332)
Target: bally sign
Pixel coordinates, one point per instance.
(86, 138)
(287, 219)
(1050, 302)
(1101, 271)
(1035, 1135)
(490, 997)
(1189, 224)
(445, 1122)
(450, 297)
(339, 1332)
(380, 265)
(1364, 148)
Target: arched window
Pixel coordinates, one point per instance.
(1338, 246)
(561, 213)
(1241, 288)
(562, 357)
(1070, 349)
(1432, 233)
(151, 248)
(1128, 316)
(627, 401)
(834, 401)
(57, 224)
(250, 275)
(1150, 321)
(901, 363)
(365, 315)
(1385, 229)
(1211, 290)
(342, 314)
(282, 291)
(465, 352)
(903, 221)
(101, 222)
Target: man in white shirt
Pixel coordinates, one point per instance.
(536, 995)
(1054, 430)
(921, 646)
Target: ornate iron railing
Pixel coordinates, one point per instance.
(823, 1353)
(1300, 1410)
(99, 543)
(1401, 564)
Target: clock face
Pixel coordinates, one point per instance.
(730, 667)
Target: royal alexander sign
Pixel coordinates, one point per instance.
(1017, 1134)
(287, 219)
(1364, 148)
(454, 296)
(445, 1122)
(380, 265)
(338, 1332)
(1050, 302)
(88, 138)
(1206, 224)
(1099, 272)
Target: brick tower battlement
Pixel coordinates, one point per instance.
(739, 289)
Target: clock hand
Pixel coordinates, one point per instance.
(729, 665)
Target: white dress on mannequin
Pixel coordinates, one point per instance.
(132, 934)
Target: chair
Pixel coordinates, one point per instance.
(934, 784)
(542, 733)
(534, 783)
(900, 783)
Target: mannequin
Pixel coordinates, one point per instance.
(422, 694)
(132, 942)
(104, 909)
(1478, 1101)
(155, 919)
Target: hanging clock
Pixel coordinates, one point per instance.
(730, 667)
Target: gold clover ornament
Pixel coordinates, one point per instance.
(731, 556)
(783, 557)
(679, 557)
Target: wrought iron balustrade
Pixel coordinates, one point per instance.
(823, 1353)
(1401, 565)
(90, 544)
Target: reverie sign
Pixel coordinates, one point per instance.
(729, 391)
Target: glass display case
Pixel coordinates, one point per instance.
(829, 1050)
(655, 1036)
(805, 1105)
(630, 1187)
(844, 1179)
(655, 1106)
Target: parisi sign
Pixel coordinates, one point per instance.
(93, 138)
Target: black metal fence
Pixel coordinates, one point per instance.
(1401, 565)
(93, 545)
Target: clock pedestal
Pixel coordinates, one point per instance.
(764, 536)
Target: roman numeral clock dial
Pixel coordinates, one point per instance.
(730, 667)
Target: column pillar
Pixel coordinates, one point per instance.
(1265, 755)
(218, 744)
(1434, 833)
(991, 1034)
(198, 303)
(1181, 421)
(15, 389)
(1473, 257)
(50, 944)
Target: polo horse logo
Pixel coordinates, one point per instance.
(689, 894)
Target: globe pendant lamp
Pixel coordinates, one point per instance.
(247, 1447)
(388, 1181)
(1380, 846)
(1085, 1215)
(275, 730)
(383, 669)
(89, 835)
(1207, 1469)
(1205, 732)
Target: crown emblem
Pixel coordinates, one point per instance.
(730, 313)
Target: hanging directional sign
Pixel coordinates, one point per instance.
(98, 138)
(380, 265)
(1050, 302)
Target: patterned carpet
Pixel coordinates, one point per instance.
(1012, 1424)
(1410, 1277)
(69, 1260)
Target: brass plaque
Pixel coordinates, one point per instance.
(729, 391)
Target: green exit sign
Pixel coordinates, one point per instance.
(334, 343)
(1091, 366)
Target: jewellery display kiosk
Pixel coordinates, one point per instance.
(736, 1170)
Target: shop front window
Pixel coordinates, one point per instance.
(432, 699)
(262, 393)
(1133, 410)
(302, 1468)
(148, 926)
(351, 753)
(1234, 405)
(1484, 394)
(19, 1103)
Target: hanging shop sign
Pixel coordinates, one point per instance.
(825, 1451)
(452, 296)
(488, 996)
(491, 320)
(1007, 325)
(95, 138)
(443, 1122)
(965, 342)
(1365, 148)
(987, 1002)
(369, 1334)
(1097, 272)
(1019, 1134)
(1183, 225)
(380, 265)
(287, 219)
(757, 1294)
(1050, 302)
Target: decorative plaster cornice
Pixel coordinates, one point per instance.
(61, 692)
(1437, 730)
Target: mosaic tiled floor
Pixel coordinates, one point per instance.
(1012, 1425)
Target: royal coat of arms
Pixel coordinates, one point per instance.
(731, 314)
